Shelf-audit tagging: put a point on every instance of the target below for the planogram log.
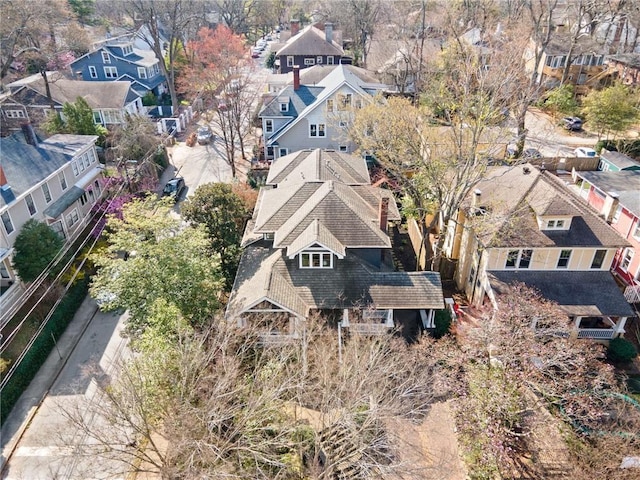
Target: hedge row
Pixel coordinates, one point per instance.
(42, 347)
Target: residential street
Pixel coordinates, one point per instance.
(48, 446)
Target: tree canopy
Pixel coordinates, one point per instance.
(612, 110)
(77, 119)
(222, 213)
(151, 257)
(35, 247)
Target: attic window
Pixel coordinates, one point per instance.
(555, 224)
(105, 57)
(284, 107)
(127, 50)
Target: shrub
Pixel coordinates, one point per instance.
(621, 350)
(443, 323)
(149, 99)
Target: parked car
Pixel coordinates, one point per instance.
(204, 135)
(585, 152)
(526, 153)
(255, 53)
(174, 188)
(572, 123)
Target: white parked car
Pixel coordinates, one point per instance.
(585, 152)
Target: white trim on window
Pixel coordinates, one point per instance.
(290, 61)
(110, 72)
(319, 259)
(142, 72)
(317, 130)
(63, 181)
(14, 113)
(309, 61)
(31, 206)
(283, 151)
(46, 192)
(563, 259)
(330, 60)
(268, 125)
(343, 148)
(627, 257)
(72, 218)
(106, 58)
(519, 259)
(93, 73)
(7, 222)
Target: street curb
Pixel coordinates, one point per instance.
(9, 449)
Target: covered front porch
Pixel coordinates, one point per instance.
(599, 327)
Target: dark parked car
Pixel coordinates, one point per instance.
(204, 135)
(572, 123)
(174, 188)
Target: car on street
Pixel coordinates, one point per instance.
(585, 152)
(573, 124)
(204, 135)
(174, 188)
(526, 153)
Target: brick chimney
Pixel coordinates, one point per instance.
(296, 77)
(383, 214)
(295, 26)
(3, 177)
(328, 31)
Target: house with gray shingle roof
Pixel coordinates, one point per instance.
(318, 244)
(311, 46)
(55, 181)
(616, 196)
(524, 225)
(28, 101)
(315, 115)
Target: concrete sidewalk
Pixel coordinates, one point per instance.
(26, 407)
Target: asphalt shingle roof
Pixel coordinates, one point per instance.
(352, 283)
(626, 184)
(620, 160)
(310, 41)
(318, 165)
(573, 291)
(25, 165)
(514, 196)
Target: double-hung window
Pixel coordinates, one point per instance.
(290, 61)
(93, 73)
(563, 259)
(105, 57)
(317, 130)
(8, 224)
(63, 181)
(519, 258)
(626, 259)
(30, 205)
(46, 192)
(598, 259)
(111, 72)
(268, 126)
(142, 72)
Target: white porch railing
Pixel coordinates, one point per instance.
(632, 293)
(369, 328)
(596, 333)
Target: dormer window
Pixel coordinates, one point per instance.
(316, 259)
(555, 224)
(550, 223)
(127, 50)
(284, 107)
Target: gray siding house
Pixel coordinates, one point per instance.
(317, 114)
(56, 181)
(317, 244)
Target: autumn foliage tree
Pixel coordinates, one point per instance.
(217, 74)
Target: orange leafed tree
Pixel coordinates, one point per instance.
(214, 57)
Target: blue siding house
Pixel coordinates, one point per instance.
(122, 61)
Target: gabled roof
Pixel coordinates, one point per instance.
(316, 234)
(318, 165)
(620, 160)
(326, 88)
(573, 291)
(625, 184)
(513, 198)
(25, 165)
(310, 41)
(111, 94)
(140, 57)
(266, 274)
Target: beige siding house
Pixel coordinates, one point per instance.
(524, 225)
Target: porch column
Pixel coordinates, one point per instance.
(345, 317)
(619, 328)
(389, 321)
(576, 328)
